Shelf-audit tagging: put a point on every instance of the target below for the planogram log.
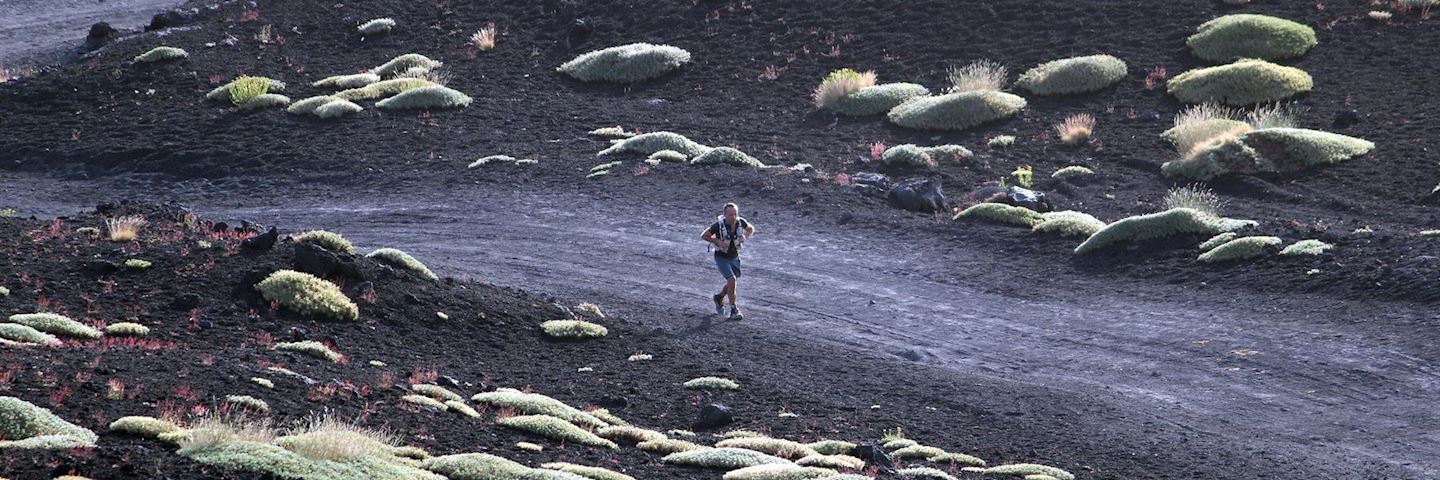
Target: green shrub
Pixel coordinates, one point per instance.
(777, 471)
(774, 446)
(667, 446)
(328, 439)
(337, 109)
(1072, 171)
(929, 157)
(1245, 82)
(573, 329)
(436, 392)
(249, 402)
(1073, 75)
(611, 132)
(127, 329)
(648, 143)
(160, 54)
(328, 240)
(1001, 141)
(626, 63)
(23, 335)
(1216, 241)
(376, 26)
(307, 294)
(415, 453)
(955, 111)
(1069, 223)
(410, 62)
(877, 99)
(223, 93)
(137, 264)
(346, 81)
(402, 260)
(916, 451)
(246, 88)
(832, 461)
(726, 156)
(425, 401)
(595, 473)
(475, 466)
(1240, 249)
(460, 407)
(741, 433)
(534, 403)
(628, 433)
(956, 459)
(426, 97)
(261, 102)
(1002, 213)
(311, 348)
(556, 429)
(711, 383)
(1271, 150)
(924, 472)
(899, 443)
(1021, 469)
(56, 324)
(832, 447)
(1176, 221)
(723, 458)
(1306, 247)
(383, 89)
(1250, 36)
(669, 156)
(25, 426)
(147, 427)
(308, 105)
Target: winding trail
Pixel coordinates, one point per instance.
(1348, 394)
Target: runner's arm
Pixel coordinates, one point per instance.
(709, 237)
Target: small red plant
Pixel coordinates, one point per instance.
(263, 338)
(423, 375)
(58, 395)
(249, 16)
(877, 150)
(842, 179)
(184, 392)
(1156, 75)
(116, 389)
(369, 295)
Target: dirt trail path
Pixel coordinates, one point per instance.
(1346, 394)
(33, 30)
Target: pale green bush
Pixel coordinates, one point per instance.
(573, 329)
(877, 99)
(356, 80)
(328, 240)
(711, 383)
(460, 407)
(436, 392)
(1001, 141)
(337, 108)
(1073, 75)
(24, 335)
(1216, 241)
(832, 461)
(308, 105)
(612, 132)
(956, 111)
(1021, 469)
(594, 473)
(56, 324)
(376, 26)
(491, 159)
(556, 429)
(1250, 36)
(832, 447)
(534, 403)
(127, 329)
(1306, 247)
(147, 427)
(311, 348)
(1177, 221)
(916, 451)
(307, 294)
(1002, 213)
(648, 143)
(1245, 82)
(669, 156)
(1072, 171)
(1069, 223)
(402, 260)
(475, 466)
(425, 401)
(722, 458)
(626, 63)
(928, 157)
(383, 89)
(261, 102)
(410, 62)
(777, 471)
(1271, 150)
(667, 446)
(24, 426)
(898, 443)
(726, 156)
(925, 473)
(160, 54)
(774, 446)
(137, 264)
(1240, 249)
(627, 433)
(249, 402)
(426, 97)
(957, 459)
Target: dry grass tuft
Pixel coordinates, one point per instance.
(839, 84)
(124, 229)
(1076, 128)
(484, 39)
(980, 76)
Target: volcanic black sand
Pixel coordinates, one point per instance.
(1131, 363)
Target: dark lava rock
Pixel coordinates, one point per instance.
(186, 301)
(1013, 195)
(918, 195)
(714, 415)
(170, 19)
(870, 184)
(873, 456)
(263, 241)
(99, 35)
(579, 33)
(100, 267)
(315, 260)
(1346, 119)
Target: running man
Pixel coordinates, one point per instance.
(726, 236)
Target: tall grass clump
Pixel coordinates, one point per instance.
(1195, 196)
(1076, 128)
(484, 39)
(124, 229)
(246, 88)
(839, 84)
